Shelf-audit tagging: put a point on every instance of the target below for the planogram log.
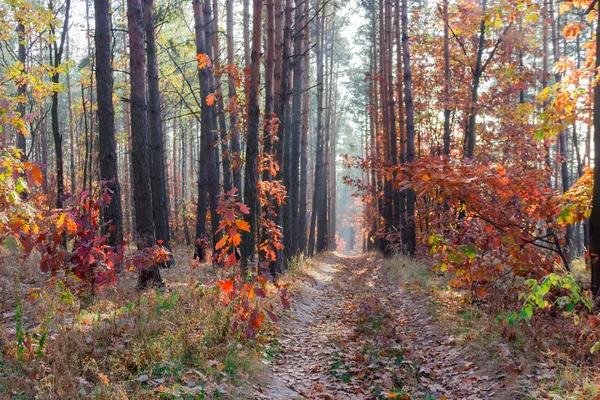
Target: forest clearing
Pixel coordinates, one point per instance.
(287, 199)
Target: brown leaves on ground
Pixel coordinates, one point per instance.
(353, 334)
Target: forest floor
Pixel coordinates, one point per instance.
(358, 330)
(359, 327)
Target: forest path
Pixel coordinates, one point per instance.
(353, 334)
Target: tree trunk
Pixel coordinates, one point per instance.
(233, 117)
(140, 154)
(157, 151)
(208, 167)
(318, 189)
(251, 177)
(447, 82)
(595, 217)
(22, 89)
(225, 155)
(475, 87)
(282, 108)
(410, 132)
(56, 134)
(296, 127)
(106, 123)
(302, 202)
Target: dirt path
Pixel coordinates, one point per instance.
(351, 334)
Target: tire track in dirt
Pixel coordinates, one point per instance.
(352, 334)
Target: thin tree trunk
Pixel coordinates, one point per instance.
(225, 155)
(296, 127)
(410, 131)
(447, 82)
(595, 217)
(22, 89)
(233, 118)
(317, 193)
(302, 202)
(470, 139)
(56, 134)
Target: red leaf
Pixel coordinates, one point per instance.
(226, 286)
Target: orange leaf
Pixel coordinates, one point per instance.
(237, 239)
(242, 225)
(210, 99)
(203, 61)
(257, 319)
(226, 286)
(221, 242)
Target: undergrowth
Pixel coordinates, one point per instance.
(544, 356)
(171, 343)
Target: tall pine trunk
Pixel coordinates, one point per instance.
(296, 127)
(302, 202)
(106, 123)
(250, 172)
(411, 244)
(140, 152)
(157, 160)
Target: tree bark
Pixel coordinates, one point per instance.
(22, 89)
(157, 160)
(595, 217)
(251, 176)
(296, 128)
(447, 81)
(302, 202)
(225, 155)
(318, 190)
(109, 173)
(410, 132)
(233, 118)
(56, 134)
(140, 154)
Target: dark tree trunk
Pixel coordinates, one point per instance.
(318, 189)
(233, 118)
(302, 202)
(208, 179)
(447, 82)
(140, 152)
(296, 127)
(595, 217)
(214, 177)
(477, 71)
(106, 122)
(22, 89)
(184, 186)
(56, 134)
(251, 177)
(225, 156)
(410, 132)
(232, 93)
(282, 109)
(160, 209)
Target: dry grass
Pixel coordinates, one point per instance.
(125, 344)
